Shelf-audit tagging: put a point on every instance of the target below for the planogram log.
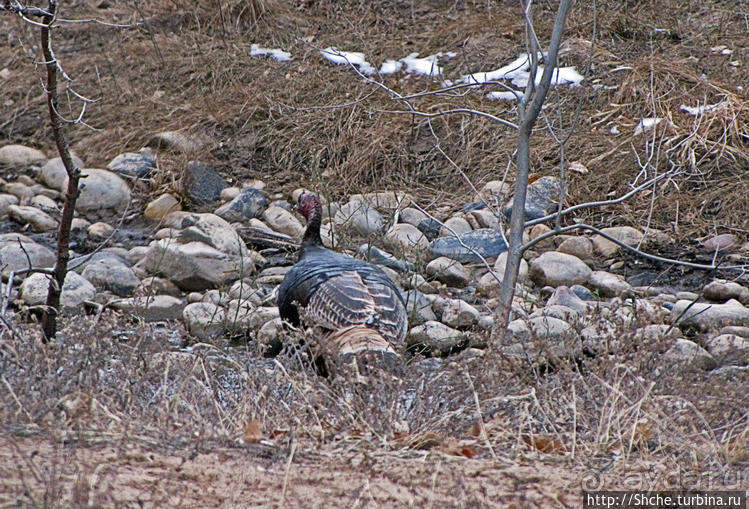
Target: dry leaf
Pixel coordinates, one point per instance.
(453, 447)
(545, 444)
(578, 167)
(419, 441)
(253, 432)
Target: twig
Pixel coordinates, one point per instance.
(286, 474)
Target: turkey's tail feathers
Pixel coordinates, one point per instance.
(356, 339)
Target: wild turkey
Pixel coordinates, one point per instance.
(354, 302)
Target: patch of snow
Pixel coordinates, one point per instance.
(699, 110)
(520, 64)
(560, 76)
(505, 95)
(348, 57)
(647, 123)
(426, 66)
(391, 66)
(278, 54)
(614, 130)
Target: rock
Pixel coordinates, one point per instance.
(194, 266)
(101, 189)
(738, 331)
(151, 308)
(54, 175)
(556, 269)
(269, 336)
(412, 216)
(201, 184)
(581, 247)
(437, 337)
(495, 191)
(583, 293)
(380, 257)
(430, 227)
(113, 277)
(609, 285)
(136, 254)
(405, 238)
(501, 264)
(564, 296)
(80, 263)
(655, 332)
(455, 225)
(174, 140)
(729, 349)
(6, 200)
(626, 234)
(418, 306)
(417, 282)
(21, 191)
(245, 289)
(384, 199)
(212, 230)
(20, 155)
(45, 204)
(100, 230)
(706, 316)
(720, 242)
(161, 206)
(564, 313)
(721, 290)
(204, 320)
(153, 285)
(542, 198)
(459, 314)
(242, 316)
(448, 271)
(486, 219)
(283, 221)
(489, 285)
(360, 217)
(485, 242)
(272, 276)
(539, 336)
(14, 257)
(134, 164)
(249, 203)
(229, 193)
(75, 290)
(688, 352)
(38, 221)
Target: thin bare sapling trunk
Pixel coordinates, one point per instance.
(51, 310)
(527, 116)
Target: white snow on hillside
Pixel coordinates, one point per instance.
(278, 54)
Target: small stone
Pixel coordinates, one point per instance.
(54, 175)
(720, 242)
(484, 242)
(151, 308)
(201, 184)
(101, 189)
(417, 282)
(455, 225)
(406, 238)
(6, 200)
(384, 199)
(430, 227)
(134, 164)
(248, 203)
(229, 193)
(737, 330)
(15, 256)
(412, 216)
(486, 219)
(45, 204)
(564, 313)
(721, 290)
(583, 293)
(204, 320)
(448, 271)
(20, 155)
(688, 352)
(564, 296)
(153, 285)
(556, 269)
(707, 316)
(538, 230)
(557, 336)
(380, 257)
(212, 230)
(75, 291)
(177, 141)
(161, 206)
(501, 264)
(245, 289)
(581, 247)
(729, 349)
(489, 285)
(107, 275)
(542, 198)
(360, 217)
(100, 230)
(283, 221)
(271, 276)
(21, 191)
(626, 234)
(459, 314)
(418, 306)
(495, 191)
(437, 337)
(269, 336)
(38, 221)
(609, 285)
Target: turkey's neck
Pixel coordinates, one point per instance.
(312, 233)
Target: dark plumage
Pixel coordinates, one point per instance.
(353, 301)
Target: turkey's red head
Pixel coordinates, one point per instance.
(309, 206)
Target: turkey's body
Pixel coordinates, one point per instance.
(354, 302)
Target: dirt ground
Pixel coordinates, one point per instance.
(120, 415)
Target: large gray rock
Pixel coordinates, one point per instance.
(455, 225)
(380, 257)
(687, 352)
(729, 349)
(101, 189)
(406, 238)
(705, 316)
(564, 296)
(360, 217)
(201, 184)
(134, 164)
(625, 234)
(556, 269)
(54, 175)
(6, 200)
(283, 221)
(541, 199)
(212, 230)
(117, 278)
(467, 248)
(459, 314)
(721, 290)
(448, 271)
(38, 221)
(249, 203)
(194, 266)
(151, 308)
(75, 290)
(204, 320)
(609, 285)
(15, 257)
(159, 207)
(20, 155)
(418, 306)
